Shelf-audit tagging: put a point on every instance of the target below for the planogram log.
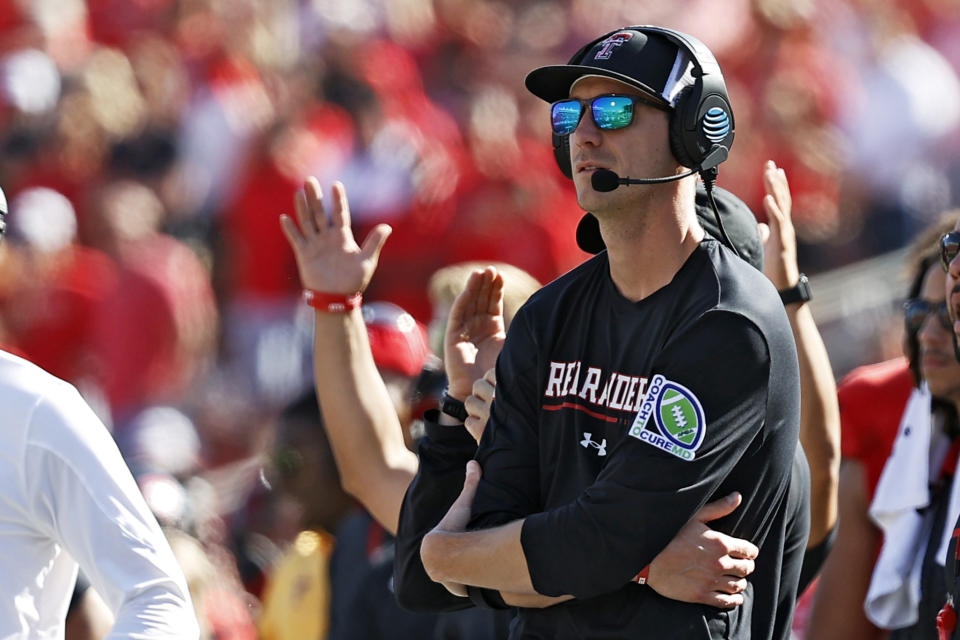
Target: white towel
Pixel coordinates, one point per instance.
(904, 483)
(894, 591)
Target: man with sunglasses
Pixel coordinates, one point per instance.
(657, 376)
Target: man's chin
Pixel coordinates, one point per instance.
(594, 201)
(586, 202)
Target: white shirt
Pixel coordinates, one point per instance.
(66, 497)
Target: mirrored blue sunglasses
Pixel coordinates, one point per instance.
(609, 111)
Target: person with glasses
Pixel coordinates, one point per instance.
(651, 379)
(885, 407)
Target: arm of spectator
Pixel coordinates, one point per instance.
(79, 491)
(838, 606)
(819, 412)
(365, 434)
(443, 453)
(474, 337)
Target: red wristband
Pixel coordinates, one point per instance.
(641, 578)
(332, 302)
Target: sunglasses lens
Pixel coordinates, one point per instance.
(943, 314)
(914, 313)
(949, 247)
(565, 116)
(612, 112)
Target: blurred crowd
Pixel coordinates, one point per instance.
(149, 146)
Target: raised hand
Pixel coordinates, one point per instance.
(780, 240)
(475, 331)
(703, 565)
(328, 258)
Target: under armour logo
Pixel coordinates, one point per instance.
(601, 447)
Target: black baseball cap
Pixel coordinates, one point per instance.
(738, 221)
(645, 60)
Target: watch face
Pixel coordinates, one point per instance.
(803, 287)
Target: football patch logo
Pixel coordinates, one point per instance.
(678, 415)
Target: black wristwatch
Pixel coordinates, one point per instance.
(800, 292)
(453, 407)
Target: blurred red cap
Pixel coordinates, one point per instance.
(398, 341)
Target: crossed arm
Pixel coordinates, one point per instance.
(454, 557)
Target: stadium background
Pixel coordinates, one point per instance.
(148, 146)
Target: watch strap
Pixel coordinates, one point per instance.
(799, 292)
(453, 407)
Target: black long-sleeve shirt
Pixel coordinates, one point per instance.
(614, 422)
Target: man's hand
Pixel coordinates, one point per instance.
(454, 521)
(779, 239)
(328, 258)
(702, 565)
(475, 331)
(478, 404)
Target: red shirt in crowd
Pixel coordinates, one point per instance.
(872, 400)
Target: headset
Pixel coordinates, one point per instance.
(701, 119)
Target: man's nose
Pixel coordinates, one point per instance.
(587, 131)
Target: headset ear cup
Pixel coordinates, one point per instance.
(561, 153)
(680, 144)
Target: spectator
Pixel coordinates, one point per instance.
(69, 500)
(51, 314)
(296, 599)
(873, 402)
(154, 332)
